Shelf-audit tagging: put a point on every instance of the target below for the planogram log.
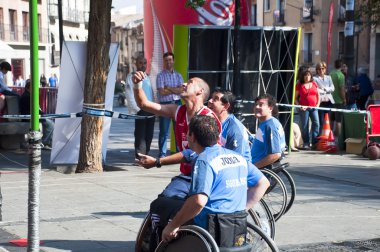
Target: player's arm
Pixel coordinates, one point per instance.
(167, 110)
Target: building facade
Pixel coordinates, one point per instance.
(128, 31)
(15, 37)
(314, 16)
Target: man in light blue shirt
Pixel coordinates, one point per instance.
(220, 179)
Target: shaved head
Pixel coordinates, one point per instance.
(203, 85)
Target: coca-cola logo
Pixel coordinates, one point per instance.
(216, 12)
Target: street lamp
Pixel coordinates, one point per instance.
(358, 30)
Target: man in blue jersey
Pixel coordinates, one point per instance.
(234, 135)
(220, 179)
(269, 144)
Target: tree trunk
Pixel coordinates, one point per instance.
(98, 44)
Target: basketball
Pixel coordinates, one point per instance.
(373, 152)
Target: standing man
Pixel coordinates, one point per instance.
(269, 144)
(169, 87)
(4, 89)
(339, 95)
(143, 127)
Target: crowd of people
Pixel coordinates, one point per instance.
(339, 90)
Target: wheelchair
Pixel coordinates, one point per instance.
(282, 190)
(194, 238)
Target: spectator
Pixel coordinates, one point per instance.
(352, 89)
(144, 128)
(169, 88)
(307, 95)
(19, 81)
(365, 88)
(4, 89)
(325, 88)
(47, 124)
(43, 81)
(53, 80)
(339, 95)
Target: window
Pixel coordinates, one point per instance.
(266, 5)
(25, 26)
(341, 43)
(13, 25)
(307, 11)
(307, 48)
(342, 10)
(1, 24)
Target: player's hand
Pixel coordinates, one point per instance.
(145, 161)
(169, 233)
(138, 76)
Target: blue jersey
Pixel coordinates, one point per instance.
(269, 139)
(223, 175)
(235, 137)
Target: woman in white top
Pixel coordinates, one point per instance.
(325, 88)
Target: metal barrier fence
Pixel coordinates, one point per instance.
(48, 98)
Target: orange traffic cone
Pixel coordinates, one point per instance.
(331, 146)
(326, 131)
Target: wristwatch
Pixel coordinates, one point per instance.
(158, 163)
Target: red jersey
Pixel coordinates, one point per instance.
(181, 128)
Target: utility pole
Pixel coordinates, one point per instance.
(349, 36)
(60, 23)
(236, 53)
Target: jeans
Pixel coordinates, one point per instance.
(47, 131)
(164, 131)
(304, 116)
(143, 133)
(321, 114)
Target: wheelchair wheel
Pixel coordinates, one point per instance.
(259, 241)
(143, 236)
(276, 195)
(190, 238)
(290, 188)
(263, 218)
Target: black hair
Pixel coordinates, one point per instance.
(228, 97)
(338, 63)
(167, 54)
(303, 74)
(5, 65)
(271, 102)
(205, 129)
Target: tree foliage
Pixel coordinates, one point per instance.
(194, 3)
(369, 11)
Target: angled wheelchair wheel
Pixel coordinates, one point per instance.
(276, 195)
(143, 236)
(190, 238)
(259, 241)
(262, 217)
(290, 188)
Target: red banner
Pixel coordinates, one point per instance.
(161, 15)
(329, 32)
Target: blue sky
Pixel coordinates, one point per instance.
(119, 4)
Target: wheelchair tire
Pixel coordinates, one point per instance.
(276, 195)
(290, 188)
(263, 218)
(189, 238)
(259, 241)
(143, 236)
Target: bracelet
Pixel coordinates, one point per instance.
(137, 85)
(158, 163)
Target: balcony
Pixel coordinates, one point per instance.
(307, 13)
(278, 18)
(12, 33)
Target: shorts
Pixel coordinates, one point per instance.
(335, 115)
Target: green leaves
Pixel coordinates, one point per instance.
(194, 3)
